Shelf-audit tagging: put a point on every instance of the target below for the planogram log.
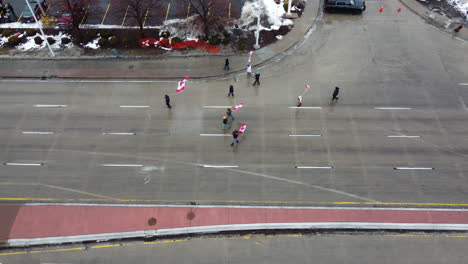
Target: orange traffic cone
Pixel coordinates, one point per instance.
(399, 9)
(381, 9)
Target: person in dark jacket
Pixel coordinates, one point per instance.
(231, 90)
(225, 122)
(335, 93)
(226, 64)
(229, 114)
(235, 134)
(257, 79)
(168, 101)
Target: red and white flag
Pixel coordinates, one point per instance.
(250, 56)
(307, 87)
(181, 86)
(242, 128)
(237, 107)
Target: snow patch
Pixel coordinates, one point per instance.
(271, 14)
(93, 44)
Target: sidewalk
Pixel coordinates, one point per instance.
(37, 224)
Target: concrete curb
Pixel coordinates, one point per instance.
(356, 226)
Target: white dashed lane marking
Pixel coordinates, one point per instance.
(314, 167)
(413, 168)
(50, 106)
(37, 132)
(134, 106)
(121, 165)
(310, 135)
(402, 136)
(392, 108)
(215, 135)
(305, 107)
(219, 166)
(23, 164)
(120, 133)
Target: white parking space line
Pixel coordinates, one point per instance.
(50, 106)
(37, 132)
(23, 164)
(392, 108)
(217, 106)
(305, 107)
(120, 133)
(215, 135)
(314, 167)
(413, 168)
(310, 135)
(402, 136)
(219, 166)
(134, 106)
(121, 165)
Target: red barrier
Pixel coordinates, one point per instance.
(165, 43)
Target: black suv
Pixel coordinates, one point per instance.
(355, 6)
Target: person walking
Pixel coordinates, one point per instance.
(335, 94)
(249, 70)
(257, 79)
(168, 101)
(229, 114)
(225, 123)
(235, 135)
(231, 91)
(299, 101)
(226, 64)
(457, 29)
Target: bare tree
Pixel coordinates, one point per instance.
(74, 12)
(207, 10)
(142, 11)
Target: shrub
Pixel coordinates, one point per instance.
(114, 41)
(165, 34)
(13, 41)
(242, 46)
(38, 40)
(176, 40)
(105, 33)
(51, 40)
(226, 34)
(125, 42)
(102, 42)
(30, 32)
(8, 32)
(214, 40)
(226, 41)
(65, 40)
(76, 42)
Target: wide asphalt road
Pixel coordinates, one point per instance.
(381, 61)
(338, 248)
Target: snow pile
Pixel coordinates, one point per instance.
(461, 5)
(3, 41)
(186, 29)
(268, 9)
(21, 25)
(93, 44)
(31, 45)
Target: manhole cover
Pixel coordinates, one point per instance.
(190, 215)
(152, 221)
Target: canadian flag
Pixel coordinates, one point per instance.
(242, 128)
(307, 87)
(237, 107)
(250, 56)
(181, 86)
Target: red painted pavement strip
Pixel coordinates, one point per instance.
(51, 221)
